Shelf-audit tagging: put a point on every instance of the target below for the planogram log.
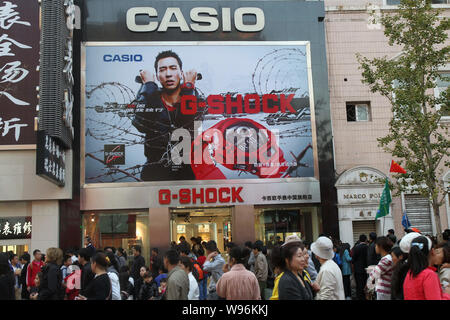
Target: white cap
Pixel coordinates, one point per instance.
(323, 248)
(405, 243)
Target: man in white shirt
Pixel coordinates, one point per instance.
(329, 278)
(187, 265)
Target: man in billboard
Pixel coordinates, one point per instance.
(158, 114)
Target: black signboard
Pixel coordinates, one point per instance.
(19, 76)
(15, 228)
(50, 159)
(114, 154)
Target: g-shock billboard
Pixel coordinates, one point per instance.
(199, 111)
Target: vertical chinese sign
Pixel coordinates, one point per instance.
(19, 75)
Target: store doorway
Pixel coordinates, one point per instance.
(207, 223)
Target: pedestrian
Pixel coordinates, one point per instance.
(311, 268)
(33, 268)
(444, 267)
(359, 258)
(100, 288)
(203, 283)
(329, 278)
(238, 283)
(6, 278)
(67, 261)
(346, 270)
(290, 260)
(72, 282)
(162, 287)
(336, 256)
(121, 257)
(87, 274)
(422, 281)
(17, 270)
(89, 246)
(187, 265)
(51, 283)
(177, 279)
(25, 261)
(155, 262)
(139, 282)
(34, 293)
(214, 266)
(251, 259)
(380, 277)
(74, 257)
(162, 274)
(113, 274)
(138, 262)
(372, 257)
(391, 236)
(197, 248)
(126, 283)
(149, 289)
(261, 267)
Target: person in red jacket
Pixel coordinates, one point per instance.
(34, 268)
(422, 281)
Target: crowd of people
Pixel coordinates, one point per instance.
(415, 267)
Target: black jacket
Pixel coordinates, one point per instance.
(99, 288)
(359, 257)
(290, 288)
(23, 281)
(148, 290)
(7, 282)
(86, 277)
(138, 263)
(51, 287)
(372, 257)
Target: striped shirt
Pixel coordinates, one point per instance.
(382, 274)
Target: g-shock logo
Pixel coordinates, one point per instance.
(204, 19)
(122, 58)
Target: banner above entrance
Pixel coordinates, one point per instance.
(239, 194)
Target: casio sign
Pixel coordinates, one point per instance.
(122, 58)
(208, 17)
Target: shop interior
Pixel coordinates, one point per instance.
(208, 223)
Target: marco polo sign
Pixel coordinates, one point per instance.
(203, 19)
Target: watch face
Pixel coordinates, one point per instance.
(188, 85)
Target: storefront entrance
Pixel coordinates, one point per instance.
(207, 223)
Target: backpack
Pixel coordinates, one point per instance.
(197, 271)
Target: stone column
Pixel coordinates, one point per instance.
(45, 225)
(243, 224)
(159, 228)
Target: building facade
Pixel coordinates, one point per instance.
(359, 117)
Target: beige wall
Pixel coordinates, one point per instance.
(19, 182)
(348, 33)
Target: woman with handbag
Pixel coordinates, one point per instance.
(99, 288)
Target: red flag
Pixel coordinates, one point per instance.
(395, 167)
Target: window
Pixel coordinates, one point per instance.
(397, 2)
(358, 111)
(442, 83)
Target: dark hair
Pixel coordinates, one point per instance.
(163, 280)
(238, 254)
(138, 248)
(100, 260)
(398, 274)
(26, 257)
(113, 261)
(193, 239)
(124, 269)
(182, 238)
(362, 238)
(184, 248)
(155, 250)
(248, 244)
(147, 275)
(391, 231)
(187, 262)
(342, 248)
(446, 234)
(167, 54)
(36, 251)
(172, 256)
(258, 245)
(372, 236)
(418, 258)
(398, 252)
(4, 265)
(84, 253)
(66, 257)
(122, 252)
(385, 243)
(230, 245)
(446, 248)
(211, 245)
(280, 254)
